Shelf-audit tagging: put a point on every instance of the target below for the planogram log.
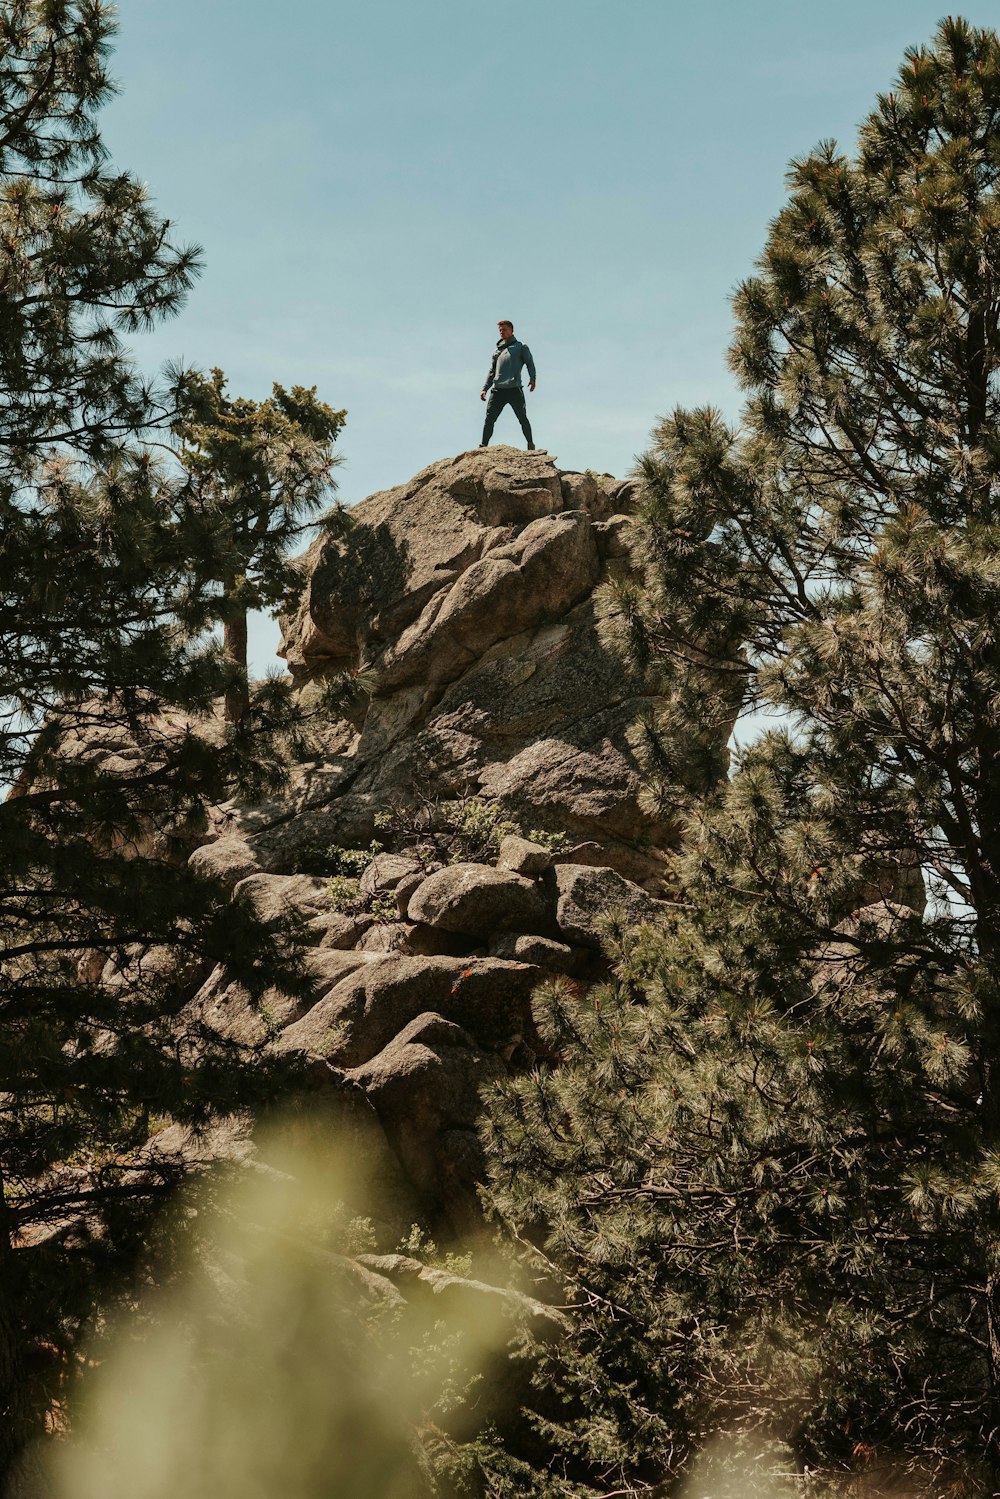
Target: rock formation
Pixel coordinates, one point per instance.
(491, 710)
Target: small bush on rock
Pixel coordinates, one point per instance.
(555, 843)
(468, 830)
(478, 828)
(343, 894)
(344, 888)
(327, 858)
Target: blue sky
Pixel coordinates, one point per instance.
(374, 183)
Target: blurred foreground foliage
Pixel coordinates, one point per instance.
(273, 1360)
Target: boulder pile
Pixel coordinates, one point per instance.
(463, 603)
(421, 992)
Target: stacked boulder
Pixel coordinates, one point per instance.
(467, 603)
(421, 994)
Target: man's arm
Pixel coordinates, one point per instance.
(491, 374)
(529, 365)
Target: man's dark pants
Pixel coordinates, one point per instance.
(507, 395)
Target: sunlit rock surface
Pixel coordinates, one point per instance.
(465, 602)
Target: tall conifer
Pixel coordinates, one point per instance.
(768, 1166)
(110, 740)
(257, 473)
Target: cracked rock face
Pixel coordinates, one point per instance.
(414, 1016)
(467, 598)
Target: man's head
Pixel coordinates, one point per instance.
(506, 329)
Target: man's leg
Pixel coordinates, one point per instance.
(495, 403)
(520, 410)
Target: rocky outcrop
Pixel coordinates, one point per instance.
(465, 600)
(585, 895)
(413, 1029)
(464, 603)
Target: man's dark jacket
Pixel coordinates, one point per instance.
(506, 365)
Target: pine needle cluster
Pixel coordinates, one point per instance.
(256, 474)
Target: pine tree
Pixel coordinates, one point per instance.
(110, 742)
(767, 1168)
(257, 472)
(84, 254)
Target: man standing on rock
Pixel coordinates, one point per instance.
(509, 358)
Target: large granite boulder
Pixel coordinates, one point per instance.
(362, 591)
(380, 993)
(424, 1086)
(466, 605)
(227, 861)
(545, 570)
(479, 900)
(465, 601)
(585, 896)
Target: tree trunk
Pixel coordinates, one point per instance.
(234, 643)
(987, 892)
(993, 1328)
(15, 1423)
